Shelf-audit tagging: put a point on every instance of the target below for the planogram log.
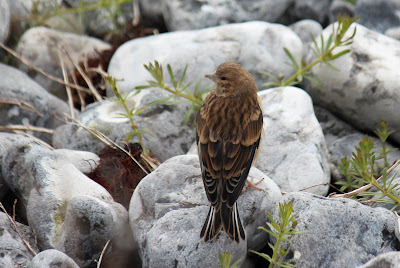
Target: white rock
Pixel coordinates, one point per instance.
(185, 15)
(257, 46)
(365, 90)
(52, 258)
(67, 210)
(35, 46)
(169, 207)
(293, 151)
(38, 108)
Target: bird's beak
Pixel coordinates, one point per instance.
(211, 76)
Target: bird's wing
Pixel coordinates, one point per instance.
(227, 159)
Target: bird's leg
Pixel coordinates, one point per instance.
(250, 184)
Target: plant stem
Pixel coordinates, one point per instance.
(275, 251)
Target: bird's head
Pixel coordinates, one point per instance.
(231, 79)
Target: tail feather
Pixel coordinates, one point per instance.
(225, 218)
(212, 226)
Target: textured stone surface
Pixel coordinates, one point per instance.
(257, 46)
(13, 252)
(339, 232)
(67, 210)
(293, 151)
(365, 89)
(169, 207)
(378, 15)
(37, 107)
(52, 258)
(39, 46)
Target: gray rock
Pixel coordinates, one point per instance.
(311, 9)
(168, 209)
(67, 210)
(364, 91)
(35, 46)
(46, 109)
(167, 136)
(151, 12)
(378, 15)
(13, 251)
(6, 142)
(340, 7)
(186, 15)
(305, 29)
(257, 46)
(385, 260)
(52, 258)
(293, 151)
(339, 232)
(5, 23)
(393, 32)
(333, 127)
(101, 20)
(346, 145)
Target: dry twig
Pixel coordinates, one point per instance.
(37, 69)
(23, 104)
(102, 254)
(69, 93)
(14, 225)
(365, 187)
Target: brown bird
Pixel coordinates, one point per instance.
(229, 126)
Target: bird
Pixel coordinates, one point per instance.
(229, 126)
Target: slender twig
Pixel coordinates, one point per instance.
(102, 254)
(39, 141)
(13, 223)
(68, 89)
(366, 187)
(23, 104)
(89, 83)
(37, 69)
(136, 13)
(27, 128)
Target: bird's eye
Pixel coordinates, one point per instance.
(223, 78)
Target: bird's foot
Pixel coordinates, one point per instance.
(250, 184)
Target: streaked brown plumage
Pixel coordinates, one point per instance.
(229, 126)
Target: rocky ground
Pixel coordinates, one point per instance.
(69, 220)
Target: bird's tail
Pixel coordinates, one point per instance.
(224, 218)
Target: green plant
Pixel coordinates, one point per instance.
(282, 231)
(362, 171)
(129, 112)
(225, 260)
(323, 52)
(179, 90)
(43, 10)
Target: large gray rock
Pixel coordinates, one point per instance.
(378, 15)
(365, 90)
(67, 210)
(339, 232)
(45, 110)
(165, 135)
(35, 46)
(186, 15)
(257, 46)
(293, 151)
(13, 251)
(169, 207)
